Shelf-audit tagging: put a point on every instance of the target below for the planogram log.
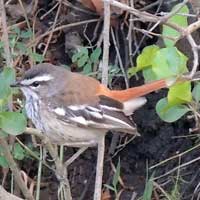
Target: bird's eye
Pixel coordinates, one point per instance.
(35, 84)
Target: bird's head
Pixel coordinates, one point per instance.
(42, 80)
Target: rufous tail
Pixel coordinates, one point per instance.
(125, 95)
(131, 93)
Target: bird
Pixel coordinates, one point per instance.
(71, 108)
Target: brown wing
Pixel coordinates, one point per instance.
(83, 107)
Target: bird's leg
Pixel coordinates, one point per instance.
(99, 168)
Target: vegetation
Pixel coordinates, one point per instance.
(154, 62)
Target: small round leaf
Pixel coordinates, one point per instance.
(196, 92)
(170, 113)
(13, 123)
(3, 162)
(18, 152)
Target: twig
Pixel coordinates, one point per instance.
(60, 28)
(49, 11)
(149, 33)
(99, 168)
(106, 42)
(176, 10)
(150, 6)
(39, 175)
(31, 153)
(162, 190)
(25, 14)
(53, 27)
(195, 55)
(5, 35)
(3, 142)
(61, 170)
(119, 59)
(14, 168)
(191, 28)
(134, 195)
(75, 156)
(177, 168)
(175, 156)
(144, 16)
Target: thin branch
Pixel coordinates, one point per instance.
(5, 35)
(195, 55)
(53, 27)
(106, 42)
(60, 28)
(14, 168)
(177, 168)
(3, 142)
(119, 59)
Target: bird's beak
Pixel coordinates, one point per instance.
(16, 84)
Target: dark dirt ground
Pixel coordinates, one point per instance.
(158, 142)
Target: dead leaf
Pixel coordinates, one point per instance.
(98, 6)
(16, 11)
(88, 4)
(106, 195)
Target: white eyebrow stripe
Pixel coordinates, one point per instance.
(45, 77)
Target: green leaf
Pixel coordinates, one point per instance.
(87, 68)
(13, 123)
(180, 20)
(94, 57)
(16, 29)
(180, 93)
(76, 56)
(1, 44)
(170, 113)
(3, 134)
(22, 47)
(148, 189)
(6, 78)
(144, 60)
(26, 34)
(5, 91)
(8, 75)
(18, 152)
(196, 92)
(3, 162)
(82, 61)
(110, 187)
(84, 51)
(116, 175)
(37, 57)
(149, 75)
(81, 57)
(12, 40)
(169, 62)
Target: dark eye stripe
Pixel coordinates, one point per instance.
(37, 83)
